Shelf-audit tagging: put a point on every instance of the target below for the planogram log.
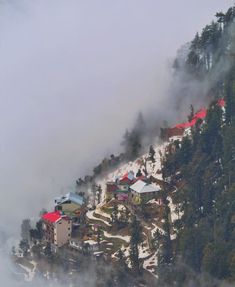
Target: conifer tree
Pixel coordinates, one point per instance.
(152, 154)
(25, 229)
(114, 214)
(135, 241)
(139, 173)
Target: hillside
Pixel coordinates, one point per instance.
(165, 217)
(204, 165)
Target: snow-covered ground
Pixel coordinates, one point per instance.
(104, 214)
(153, 169)
(155, 229)
(30, 273)
(124, 238)
(175, 212)
(151, 263)
(90, 215)
(91, 242)
(143, 250)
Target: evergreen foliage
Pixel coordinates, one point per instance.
(136, 239)
(206, 162)
(152, 154)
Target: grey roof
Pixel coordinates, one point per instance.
(142, 187)
(72, 196)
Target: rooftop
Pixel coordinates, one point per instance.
(72, 196)
(201, 114)
(52, 216)
(129, 176)
(142, 187)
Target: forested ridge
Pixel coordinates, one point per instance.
(202, 167)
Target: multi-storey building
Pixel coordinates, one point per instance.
(57, 228)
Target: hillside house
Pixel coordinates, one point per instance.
(127, 178)
(56, 228)
(119, 186)
(111, 189)
(122, 197)
(70, 204)
(168, 133)
(184, 129)
(142, 191)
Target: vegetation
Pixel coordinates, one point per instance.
(206, 162)
(136, 239)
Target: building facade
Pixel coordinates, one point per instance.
(57, 228)
(70, 204)
(142, 192)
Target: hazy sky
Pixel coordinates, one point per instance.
(73, 75)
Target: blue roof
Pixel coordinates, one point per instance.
(72, 196)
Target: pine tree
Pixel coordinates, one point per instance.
(190, 117)
(99, 192)
(157, 237)
(99, 235)
(152, 154)
(136, 238)
(47, 250)
(122, 260)
(140, 125)
(230, 97)
(165, 256)
(139, 173)
(25, 229)
(24, 246)
(114, 214)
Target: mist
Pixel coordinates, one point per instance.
(73, 76)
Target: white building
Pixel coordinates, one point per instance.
(142, 191)
(57, 228)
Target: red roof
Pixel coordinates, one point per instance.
(142, 177)
(199, 115)
(111, 187)
(51, 216)
(221, 103)
(127, 178)
(122, 196)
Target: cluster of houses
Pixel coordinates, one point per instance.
(68, 215)
(69, 211)
(65, 224)
(131, 189)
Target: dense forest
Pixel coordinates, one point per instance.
(203, 168)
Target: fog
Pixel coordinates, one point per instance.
(73, 76)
